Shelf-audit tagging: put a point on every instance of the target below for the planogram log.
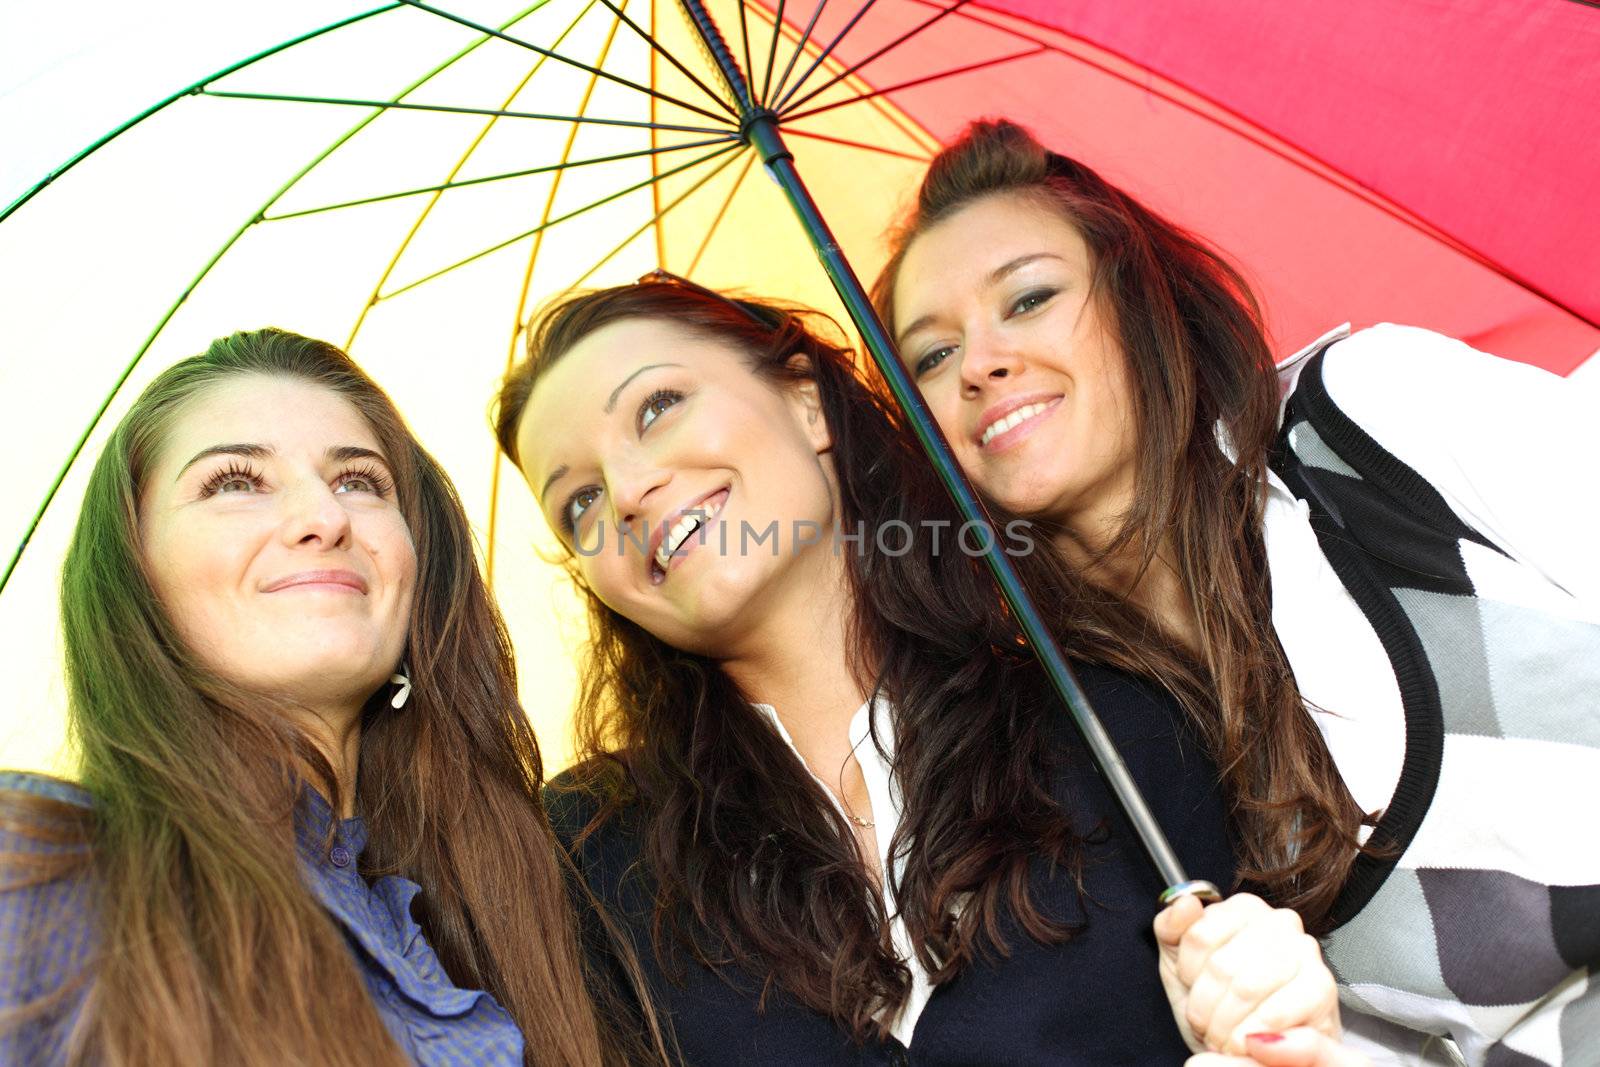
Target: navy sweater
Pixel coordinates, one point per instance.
(1092, 1001)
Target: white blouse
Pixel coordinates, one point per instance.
(883, 791)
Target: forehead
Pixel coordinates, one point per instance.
(571, 395)
(958, 253)
(285, 413)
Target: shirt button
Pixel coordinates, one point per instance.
(340, 856)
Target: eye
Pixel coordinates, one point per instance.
(655, 404)
(928, 362)
(367, 479)
(576, 507)
(234, 478)
(1030, 300)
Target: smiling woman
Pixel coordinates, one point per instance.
(281, 850)
(824, 795)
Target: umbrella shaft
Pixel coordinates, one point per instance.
(1066, 685)
(760, 129)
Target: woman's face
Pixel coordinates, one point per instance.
(686, 485)
(994, 319)
(273, 538)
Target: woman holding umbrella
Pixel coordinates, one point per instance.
(1384, 584)
(826, 791)
(308, 829)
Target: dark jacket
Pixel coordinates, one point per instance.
(1093, 1001)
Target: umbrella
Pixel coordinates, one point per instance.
(412, 180)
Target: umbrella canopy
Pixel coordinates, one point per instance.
(412, 181)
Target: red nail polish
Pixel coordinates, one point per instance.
(1266, 1038)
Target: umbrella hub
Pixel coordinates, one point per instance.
(758, 128)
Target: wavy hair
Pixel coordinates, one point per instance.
(1191, 334)
(756, 867)
(210, 948)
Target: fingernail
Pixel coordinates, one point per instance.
(1266, 1038)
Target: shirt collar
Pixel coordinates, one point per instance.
(861, 728)
(1288, 372)
(318, 832)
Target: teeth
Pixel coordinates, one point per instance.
(683, 529)
(1015, 419)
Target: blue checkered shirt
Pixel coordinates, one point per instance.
(47, 937)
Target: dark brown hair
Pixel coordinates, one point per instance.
(210, 948)
(1190, 330)
(756, 866)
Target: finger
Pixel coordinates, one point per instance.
(1174, 920)
(1310, 1000)
(1265, 978)
(1218, 1059)
(1220, 923)
(1301, 1047)
(1250, 968)
(1205, 995)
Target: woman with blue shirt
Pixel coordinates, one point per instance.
(307, 829)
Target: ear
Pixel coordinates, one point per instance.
(805, 400)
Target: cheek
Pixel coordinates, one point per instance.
(197, 571)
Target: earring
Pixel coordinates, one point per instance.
(403, 680)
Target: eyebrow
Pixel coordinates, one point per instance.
(611, 405)
(611, 402)
(338, 453)
(994, 277)
(555, 476)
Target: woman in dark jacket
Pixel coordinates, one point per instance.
(827, 798)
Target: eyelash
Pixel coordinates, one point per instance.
(569, 525)
(928, 361)
(235, 471)
(660, 394)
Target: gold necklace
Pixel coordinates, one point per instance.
(865, 824)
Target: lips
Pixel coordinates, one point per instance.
(678, 527)
(1010, 414)
(314, 579)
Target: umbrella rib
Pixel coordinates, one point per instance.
(655, 46)
(527, 284)
(969, 68)
(188, 90)
(433, 201)
(823, 55)
(744, 34)
(457, 110)
(150, 339)
(790, 131)
(509, 39)
(772, 54)
(799, 50)
(891, 46)
(564, 165)
(563, 218)
(721, 211)
(655, 219)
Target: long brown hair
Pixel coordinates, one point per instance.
(209, 947)
(1191, 333)
(756, 867)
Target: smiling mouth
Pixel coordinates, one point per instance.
(688, 524)
(1015, 419)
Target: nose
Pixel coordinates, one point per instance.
(986, 358)
(629, 486)
(314, 517)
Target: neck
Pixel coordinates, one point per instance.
(1156, 589)
(336, 731)
(798, 660)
